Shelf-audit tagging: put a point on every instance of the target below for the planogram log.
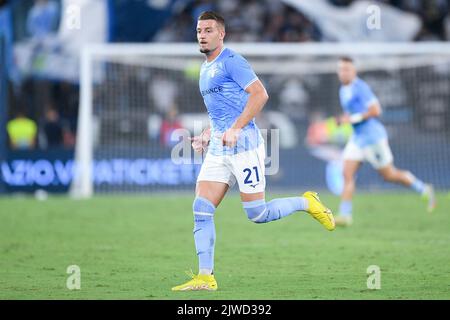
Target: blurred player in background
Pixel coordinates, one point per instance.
(233, 96)
(369, 141)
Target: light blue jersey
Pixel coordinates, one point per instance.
(356, 97)
(222, 84)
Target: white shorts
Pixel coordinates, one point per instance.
(379, 155)
(247, 168)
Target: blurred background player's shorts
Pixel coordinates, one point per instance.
(379, 155)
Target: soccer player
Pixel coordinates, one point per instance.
(233, 96)
(369, 141)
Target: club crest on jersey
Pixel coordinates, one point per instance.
(213, 71)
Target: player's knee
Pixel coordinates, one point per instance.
(256, 211)
(203, 209)
(389, 175)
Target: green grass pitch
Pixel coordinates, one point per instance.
(138, 247)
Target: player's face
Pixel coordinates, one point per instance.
(209, 35)
(346, 72)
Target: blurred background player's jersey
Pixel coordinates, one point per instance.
(222, 85)
(356, 97)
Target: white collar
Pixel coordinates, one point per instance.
(350, 84)
(211, 62)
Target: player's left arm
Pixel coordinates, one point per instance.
(372, 105)
(257, 99)
(373, 111)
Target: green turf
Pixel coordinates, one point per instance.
(139, 247)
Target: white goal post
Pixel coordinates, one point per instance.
(266, 58)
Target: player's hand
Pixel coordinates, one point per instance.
(230, 137)
(197, 144)
(344, 119)
(200, 143)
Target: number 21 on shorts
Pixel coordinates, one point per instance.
(250, 175)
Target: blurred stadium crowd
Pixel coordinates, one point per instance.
(42, 111)
(274, 21)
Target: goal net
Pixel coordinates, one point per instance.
(139, 103)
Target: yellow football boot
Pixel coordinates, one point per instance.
(198, 282)
(319, 211)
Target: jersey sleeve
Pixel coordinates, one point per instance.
(366, 95)
(240, 71)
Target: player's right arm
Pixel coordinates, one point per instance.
(242, 73)
(257, 99)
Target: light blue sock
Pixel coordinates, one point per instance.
(204, 233)
(418, 185)
(345, 208)
(259, 211)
